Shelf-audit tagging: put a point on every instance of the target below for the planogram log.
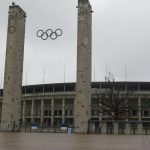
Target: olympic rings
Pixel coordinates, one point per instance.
(49, 33)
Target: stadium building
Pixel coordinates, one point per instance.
(65, 105)
(52, 105)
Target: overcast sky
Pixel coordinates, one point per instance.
(121, 35)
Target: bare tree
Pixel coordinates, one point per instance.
(113, 99)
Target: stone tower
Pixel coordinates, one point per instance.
(11, 105)
(83, 85)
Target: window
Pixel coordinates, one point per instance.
(71, 112)
(93, 112)
(59, 112)
(66, 113)
(28, 112)
(134, 112)
(49, 112)
(45, 113)
(55, 113)
(146, 113)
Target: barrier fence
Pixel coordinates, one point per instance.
(94, 127)
(47, 129)
(33, 127)
(120, 127)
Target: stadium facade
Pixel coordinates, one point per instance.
(52, 105)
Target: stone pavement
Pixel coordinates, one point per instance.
(49, 141)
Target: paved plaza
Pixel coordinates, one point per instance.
(46, 141)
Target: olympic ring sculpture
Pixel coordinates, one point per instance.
(49, 33)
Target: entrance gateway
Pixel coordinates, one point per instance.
(11, 104)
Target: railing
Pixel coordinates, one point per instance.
(94, 127)
(120, 127)
(33, 127)
(46, 129)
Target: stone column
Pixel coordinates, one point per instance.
(140, 125)
(140, 128)
(42, 112)
(24, 113)
(139, 110)
(116, 128)
(0, 109)
(127, 114)
(82, 105)
(100, 115)
(52, 112)
(127, 123)
(32, 112)
(127, 128)
(63, 110)
(12, 94)
(103, 127)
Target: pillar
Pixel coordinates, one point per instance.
(103, 128)
(42, 112)
(139, 110)
(140, 128)
(24, 113)
(116, 128)
(100, 115)
(32, 112)
(140, 125)
(52, 112)
(127, 128)
(83, 84)
(63, 110)
(11, 107)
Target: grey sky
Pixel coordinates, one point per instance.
(121, 34)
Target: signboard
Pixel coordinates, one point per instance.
(69, 131)
(64, 128)
(34, 127)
